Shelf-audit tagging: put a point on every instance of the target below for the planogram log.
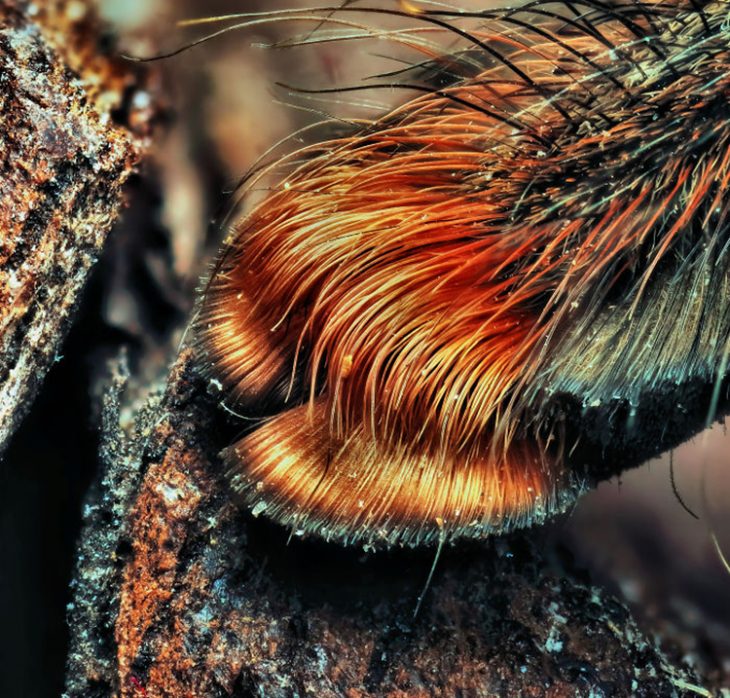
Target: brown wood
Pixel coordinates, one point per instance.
(179, 593)
(63, 161)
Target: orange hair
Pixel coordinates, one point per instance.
(412, 296)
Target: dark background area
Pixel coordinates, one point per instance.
(43, 477)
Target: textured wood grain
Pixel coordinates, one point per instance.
(63, 161)
(179, 593)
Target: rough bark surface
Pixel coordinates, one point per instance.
(178, 593)
(63, 161)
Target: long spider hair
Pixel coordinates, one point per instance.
(540, 230)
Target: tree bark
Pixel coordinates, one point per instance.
(63, 161)
(179, 593)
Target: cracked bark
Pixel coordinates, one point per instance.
(63, 162)
(178, 593)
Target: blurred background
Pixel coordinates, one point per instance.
(223, 110)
